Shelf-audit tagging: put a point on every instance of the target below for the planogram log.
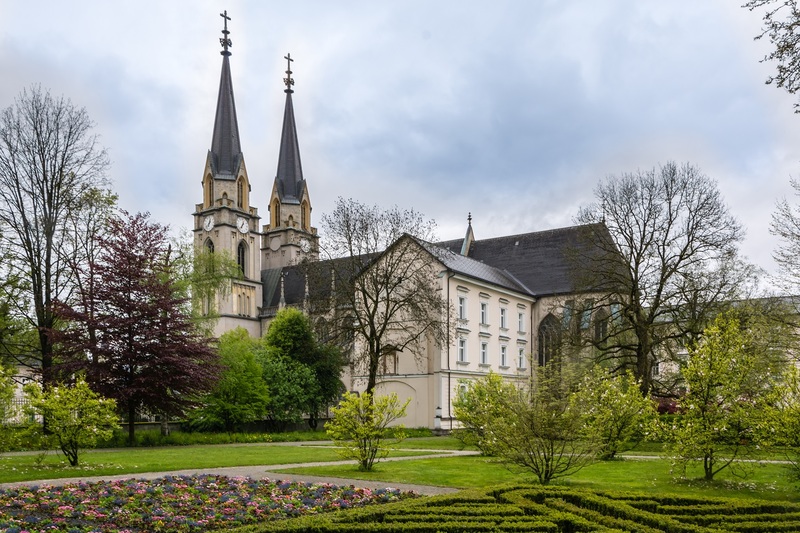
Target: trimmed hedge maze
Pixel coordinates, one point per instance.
(553, 509)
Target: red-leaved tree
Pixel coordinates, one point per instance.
(130, 328)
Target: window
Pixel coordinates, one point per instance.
(549, 339)
(484, 313)
(210, 246)
(503, 318)
(241, 257)
(462, 307)
(484, 353)
(240, 194)
(462, 350)
(504, 356)
(390, 363)
(276, 213)
(586, 314)
(568, 307)
(521, 322)
(521, 358)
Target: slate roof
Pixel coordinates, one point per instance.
(538, 264)
(289, 177)
(226, 150)
(474, 269)
(542, 261)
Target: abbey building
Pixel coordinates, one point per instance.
(509, 294)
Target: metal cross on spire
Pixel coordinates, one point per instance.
(225, 40)
(288, 81)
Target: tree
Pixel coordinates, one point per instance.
(384, 282)
(203, 274)
(786, 226)
(52, 177)
(730, 388)
(475, 407)
(781, 18)
(616, 412)
(77, 417)
(665, 266)
(130, 329)
(782, 425)
(291, 334)
(292, 386)
(541, 430)
(362, 427)
(8, 411)
(241, 395)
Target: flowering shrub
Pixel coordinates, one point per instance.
(173, 503)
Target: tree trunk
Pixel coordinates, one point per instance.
(132, 426)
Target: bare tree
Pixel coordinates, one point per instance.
(786, 226)
(52, 178)
(781, 22)
(665, 266)
(384, 284)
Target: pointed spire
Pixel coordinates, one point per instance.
(468, 238)
(225, 146)
(290, 172)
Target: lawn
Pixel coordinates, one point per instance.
(136, 460)
(767, 481)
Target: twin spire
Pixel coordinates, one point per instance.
(226, 148)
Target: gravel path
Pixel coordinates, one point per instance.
(272, 472)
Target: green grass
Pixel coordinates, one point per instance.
(136, 460)
(768, 481)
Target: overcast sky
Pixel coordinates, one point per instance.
(510, 110)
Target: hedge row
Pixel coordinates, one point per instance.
(551, 510)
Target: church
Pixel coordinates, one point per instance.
(511, 295)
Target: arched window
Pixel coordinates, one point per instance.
(304, 216)
(210, 246)
(240, 194)
(276, 213)
(549, 339)
(209, 191)
(241, 257)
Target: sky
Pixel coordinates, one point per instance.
(512, 111)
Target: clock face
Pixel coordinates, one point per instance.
(208, 223)
(305, 245)
(242, 224)
(275, 244)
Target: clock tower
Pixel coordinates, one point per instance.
(225, 222)
(289, 237)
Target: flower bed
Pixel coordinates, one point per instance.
(173, 503)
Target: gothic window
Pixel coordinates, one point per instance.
(304, 216)
(209, 191)
(240, 194)
(210, 246)
(276, 214)
(549, 339)
(601, 327)
(241, 257)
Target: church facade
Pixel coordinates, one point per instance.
(509, 293)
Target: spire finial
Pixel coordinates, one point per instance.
(288, 81)
(469, 219)
(225, 40)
